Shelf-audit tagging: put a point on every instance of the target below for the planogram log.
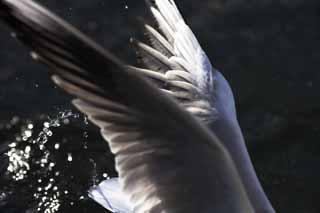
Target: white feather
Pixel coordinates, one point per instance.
(109, 194)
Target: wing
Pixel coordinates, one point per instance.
(176, 61)
(109, 194)
(178, 65)
(160, 166)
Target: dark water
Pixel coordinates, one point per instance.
(269, 50)
(50, 162)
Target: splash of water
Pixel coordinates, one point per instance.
(30, 149)
(44, 163)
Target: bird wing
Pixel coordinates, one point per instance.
(175, 60)
(109, 194)
(160, 166)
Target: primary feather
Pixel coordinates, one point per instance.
(167, 160)
(174, 52)
(199, 88)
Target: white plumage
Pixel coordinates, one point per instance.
(178, 147)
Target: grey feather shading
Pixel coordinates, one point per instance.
(166, 159)
(174, 52)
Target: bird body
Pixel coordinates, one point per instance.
(171, 122)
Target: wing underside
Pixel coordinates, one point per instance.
(167, 161)
(174, 59)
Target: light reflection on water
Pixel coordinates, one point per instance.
(29, 151)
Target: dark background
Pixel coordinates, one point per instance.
(269, 50)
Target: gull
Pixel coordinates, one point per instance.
(170, 121)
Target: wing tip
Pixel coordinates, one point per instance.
(135, 43)
(57, 80)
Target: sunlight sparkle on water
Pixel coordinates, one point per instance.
(21, 156)
(30, 126)
(18, 163)
(69, 157)
(57, 146)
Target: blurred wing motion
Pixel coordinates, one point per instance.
(167, 161)
(176, 61)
